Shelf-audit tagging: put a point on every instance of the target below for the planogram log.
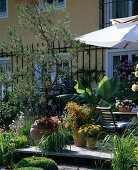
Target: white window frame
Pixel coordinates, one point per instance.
(5, 14)
(59, 5)
(109, 15)
(115, 52)
(10, 88)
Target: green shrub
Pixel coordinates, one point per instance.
(42, 162)
(29, 168)
(9, 142)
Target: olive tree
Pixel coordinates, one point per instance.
(29, 90)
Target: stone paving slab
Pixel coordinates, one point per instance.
(68, 167)
(73, 151)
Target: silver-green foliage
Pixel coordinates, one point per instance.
(47, 28)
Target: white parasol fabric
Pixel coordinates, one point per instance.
(123, 34)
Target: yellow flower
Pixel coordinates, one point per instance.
(135, 87)
(136, 73)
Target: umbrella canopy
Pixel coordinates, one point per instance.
(123, 34)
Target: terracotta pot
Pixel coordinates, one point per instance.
(37, 131)
(124, 109)
(90, 142)
(79, 140)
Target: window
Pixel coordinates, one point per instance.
(5, 63)
(60, 4)
(64, 69)
(113, 57)
(119, 9)
(3, 8)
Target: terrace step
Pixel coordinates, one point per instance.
(73, 158)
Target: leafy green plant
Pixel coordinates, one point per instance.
(22, 125)
(107, 88)
(104, 88)
(29, 168)
(42, 162)
(7, 114)
(103, 93)
(123, 149)
(8, 143)
(84, 95)
(56, 141)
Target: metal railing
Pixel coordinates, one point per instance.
(110, 9)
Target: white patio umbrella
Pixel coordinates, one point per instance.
(123, 34)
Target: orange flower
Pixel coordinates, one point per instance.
(64, 122)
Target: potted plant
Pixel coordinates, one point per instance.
(56, 142)
(125, 105)
(91, 132)
(76, 116)
(45, 126)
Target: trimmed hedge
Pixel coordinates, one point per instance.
(40, 162)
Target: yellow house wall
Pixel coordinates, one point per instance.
(84, 17)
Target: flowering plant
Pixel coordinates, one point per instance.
(124, 68)
(78, 115)
(51, 122)
(125, 103)
(90, 130)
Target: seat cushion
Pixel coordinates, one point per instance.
(120, 125)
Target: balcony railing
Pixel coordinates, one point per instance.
(110, 9)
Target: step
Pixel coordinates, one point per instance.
(73, 156)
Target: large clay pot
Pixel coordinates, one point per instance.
(90, 142)
(124, 109)
(38, 131)
(79, 140)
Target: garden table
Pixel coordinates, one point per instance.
(126, 116)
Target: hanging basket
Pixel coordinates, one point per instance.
(124, 109)
(79, 140)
